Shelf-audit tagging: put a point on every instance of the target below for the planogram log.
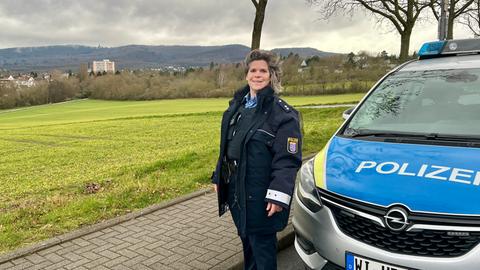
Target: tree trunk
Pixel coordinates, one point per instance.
(451, 18)
(450, 29)
(258, 23)
(405, 44)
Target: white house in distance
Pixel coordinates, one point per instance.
(104, 65)
(23, 80)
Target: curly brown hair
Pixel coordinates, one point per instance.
(273, 62)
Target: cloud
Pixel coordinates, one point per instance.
(191, 22)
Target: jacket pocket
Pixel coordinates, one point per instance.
(258, 220)
(264, 136)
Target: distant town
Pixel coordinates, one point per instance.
(95, 68)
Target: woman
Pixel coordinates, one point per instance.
(260, 154)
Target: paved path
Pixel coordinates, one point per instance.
(326, 106)
(184, 235)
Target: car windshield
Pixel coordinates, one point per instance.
(434, 102)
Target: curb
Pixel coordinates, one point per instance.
(22, 252)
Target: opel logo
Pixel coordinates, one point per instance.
(396, 219)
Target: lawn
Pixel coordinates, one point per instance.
(72, 164)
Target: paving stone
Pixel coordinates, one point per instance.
(115, 241)
(85, 249)
(96, 263)
(20, 261)
(40, 266)
(131, 240)
(102, 248)
(98, 242)
(214, 261)
(153, 259)
(182, 238)
(123, 245)
(115, 261)
(162, 251)
(136, 260)
(73, 257)
(143, 267)
(137, 246)
(226, 254)
(180, 250)
(171, 259)
(108, 235)
(190, 257)
(81, 242)
(145, 252)
(67, 249)
(22, 266)
(6, 265)
(199, 250)
(100, 267)
(127, 253)
(49, 250)
(58, 265)
(120, 267)
(76, 264)
(53, 257)
(180, 266)
(172, 244)
(109, 254)
(199, 265)
(35, 258)
(91, 256)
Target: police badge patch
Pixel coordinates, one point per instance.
(292, 145)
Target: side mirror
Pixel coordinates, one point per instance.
(347, 113)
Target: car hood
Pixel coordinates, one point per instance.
(424, 178)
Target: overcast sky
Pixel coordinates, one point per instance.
(288, 23)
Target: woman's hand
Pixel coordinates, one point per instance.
(273, 208)
(215, 187)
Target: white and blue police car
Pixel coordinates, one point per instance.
(398, 185)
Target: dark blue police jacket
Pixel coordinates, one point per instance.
(270, 158)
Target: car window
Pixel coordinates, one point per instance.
(439, 101)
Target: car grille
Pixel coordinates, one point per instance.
(430, 243)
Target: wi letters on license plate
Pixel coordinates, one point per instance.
(355, 262)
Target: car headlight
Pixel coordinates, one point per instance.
(306, 190)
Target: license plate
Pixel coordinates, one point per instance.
(355, 262)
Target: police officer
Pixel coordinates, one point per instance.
(260, 154)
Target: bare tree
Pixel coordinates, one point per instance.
(402, 14)
(260, 6)
(472, 18)
(456, 8)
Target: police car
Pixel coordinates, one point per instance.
(398, 186)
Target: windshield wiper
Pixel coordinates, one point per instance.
(454, 137)
(354, 133)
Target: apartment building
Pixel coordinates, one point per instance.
(104, 65)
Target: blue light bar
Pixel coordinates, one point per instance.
(431, 48)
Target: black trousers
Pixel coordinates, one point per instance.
(260, 251)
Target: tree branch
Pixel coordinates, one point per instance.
(383, 14)
(463, 8)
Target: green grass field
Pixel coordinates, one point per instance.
(95, 110)
(77, 163)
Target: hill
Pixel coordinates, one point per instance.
(302, 52)
(65, 57)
